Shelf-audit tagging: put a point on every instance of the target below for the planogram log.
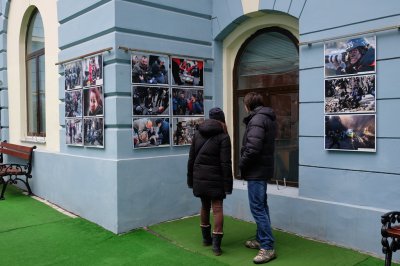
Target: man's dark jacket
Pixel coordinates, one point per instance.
(210, 172)
(258, 146)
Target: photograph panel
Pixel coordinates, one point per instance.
(74, 131)
(350, 94)
(93, 99)
(148, 101)
(73, 75)
(350, 56)
(187, 101)
(187, 72)
(93, 132)
(149, 69)
(350, 132)
(150, 132)
(93, 71)
(184, 128)
(73, 103)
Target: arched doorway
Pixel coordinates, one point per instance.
(268, 62)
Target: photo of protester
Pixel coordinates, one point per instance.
(93, 101)
(150, 132)
(94, 132)
(187, 72)
(184, 129)
(73, 75)
(350, 94)
(350, 132)
(187, 101)
(73, 103)
(93, 71)
(352, 56)
(73, 132)
(149, 69)
(148, 100)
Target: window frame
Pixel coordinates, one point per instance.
(28, 57)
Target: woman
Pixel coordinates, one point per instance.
(210, 174)
(95, 102)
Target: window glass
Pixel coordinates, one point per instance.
(35, 36)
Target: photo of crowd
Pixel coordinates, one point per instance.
(149, 69)
(150, 100)
(350, 132)
(352, 56)
(93, 101)
(150, 132)
(187, 72)
(93, 71)
(184, 129)
(350, 94)
(187, 101)
(73, 75)
(93, 132)
(73, 103)
(73, 132)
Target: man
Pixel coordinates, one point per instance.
(163, 130)
(141, 71)
(257, 165)
(360, 57)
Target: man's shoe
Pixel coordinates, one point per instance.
(252, 244)
(264, 255)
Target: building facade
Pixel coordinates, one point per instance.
(281, 48)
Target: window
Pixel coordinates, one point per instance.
(35, 77)
(268, 63)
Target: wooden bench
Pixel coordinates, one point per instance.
(390, 235)
(14, 170)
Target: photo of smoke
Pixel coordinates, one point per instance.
(350, 56)
(73, 75)
(73, 132)
(184, 129)
(350, 132)
(350, 94)
(73, 103)
(93, 71)
(187, 101)
(150, 132)
(150, 100)
(187, 72)
(94, 132)
(149, 69)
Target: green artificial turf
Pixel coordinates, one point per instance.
(31, 233)
(291, 249)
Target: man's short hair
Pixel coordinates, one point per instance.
(252, 100)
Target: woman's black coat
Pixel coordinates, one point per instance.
(210, 172)
(258, 146)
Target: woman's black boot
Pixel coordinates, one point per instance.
(216, 243)
(206, 232)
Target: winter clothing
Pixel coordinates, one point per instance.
(210, 171)
(217, 114)
(206, 233)
(216, 244)
(257, 152)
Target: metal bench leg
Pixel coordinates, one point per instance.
(388, 258)
(4, 189)
(26, 184)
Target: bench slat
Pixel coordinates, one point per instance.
(22, 155)
(16, 147)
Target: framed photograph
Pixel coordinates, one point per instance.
(148, 100)
(150, 132)
(73, 103)
(93, 132)
(184, 129)
(73, 132)
(187, 72)
(93, 99)
(350, 94)
(149, 69)
(187, 101)
(73, 75)
(351, 56)
(350, 132)
(93, 71)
